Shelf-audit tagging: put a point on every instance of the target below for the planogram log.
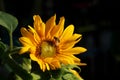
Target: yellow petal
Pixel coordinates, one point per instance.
(37, 18)
(43, 67)
(77, 61)
(68, 32)
(39, 25)
(36, 36)
(41, 30)
(47, 66)
(26, 33)
(37, 22)
(65, 59)
(61, 25)
(40, 62)
(34, 58)
(52, 66)
(49, 25)
(48, 59)
(70, 42)
(56, 63)
(25, 41)
(32, 49)
(67, 45)
(75, 37)
(54, 31)
(24, 49)
(81, 64)
(76, 74)
(76, 50)
(74, 58)
(58, 29)
(52, 62)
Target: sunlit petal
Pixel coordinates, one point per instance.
(68, 32)
(76, 50)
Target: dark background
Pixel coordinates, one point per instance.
(94, 19)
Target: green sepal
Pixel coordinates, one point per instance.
(35, 76)
(64, 73)
(26, 64)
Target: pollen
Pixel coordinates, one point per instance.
(48, 49)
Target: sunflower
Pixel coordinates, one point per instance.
(49, 44)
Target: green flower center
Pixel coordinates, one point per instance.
(48, 49)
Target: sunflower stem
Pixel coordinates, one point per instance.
(11, 41)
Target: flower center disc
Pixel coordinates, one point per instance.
(47, 49)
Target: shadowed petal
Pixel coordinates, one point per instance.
(24, 49)
(49, 25)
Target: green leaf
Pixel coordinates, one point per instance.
(16, 68)
(26, 64)
(8, 21)
(72, 67)
(70, 76)
(56, 74)
(35, 76)
(64, 73)
(17, 77)
(2, 47)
